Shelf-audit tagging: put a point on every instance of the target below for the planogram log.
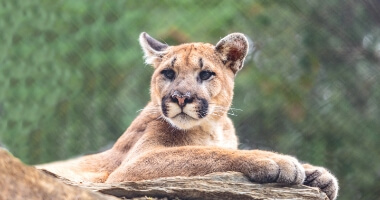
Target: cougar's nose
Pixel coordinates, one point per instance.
(181, 99)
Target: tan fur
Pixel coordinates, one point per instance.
(184, 129)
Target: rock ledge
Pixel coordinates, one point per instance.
(18, 181)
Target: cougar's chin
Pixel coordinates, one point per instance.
(183, 121)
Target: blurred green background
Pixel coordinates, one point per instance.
(72, 77)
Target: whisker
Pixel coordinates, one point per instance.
(155, 107)
(236, 109)
(232, 114)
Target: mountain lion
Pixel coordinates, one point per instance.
(184, 130)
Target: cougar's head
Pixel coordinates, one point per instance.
(193, 83)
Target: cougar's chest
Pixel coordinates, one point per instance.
(194, 137)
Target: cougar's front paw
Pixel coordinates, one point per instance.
(323, 179)
(277, 169)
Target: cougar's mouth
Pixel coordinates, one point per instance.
(184, 116)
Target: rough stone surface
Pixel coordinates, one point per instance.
(18, 181)
(226, 185)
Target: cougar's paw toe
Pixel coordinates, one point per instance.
(291, 171)
(263, 171)
(278, 169)
(323, 179)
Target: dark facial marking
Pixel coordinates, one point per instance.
(164, 107)
(173, 61)
(202, 112)
(200, 62)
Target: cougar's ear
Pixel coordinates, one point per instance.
(153, 49)
(232, 49)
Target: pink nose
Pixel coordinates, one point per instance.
(181, 99)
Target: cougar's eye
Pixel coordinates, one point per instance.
(168, 73)
(205, 75)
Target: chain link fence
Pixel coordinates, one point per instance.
(72, 77)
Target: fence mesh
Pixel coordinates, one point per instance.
(72, 76)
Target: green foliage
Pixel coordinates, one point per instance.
(72, 76)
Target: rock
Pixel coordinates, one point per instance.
(221, 185)
(18, 181)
